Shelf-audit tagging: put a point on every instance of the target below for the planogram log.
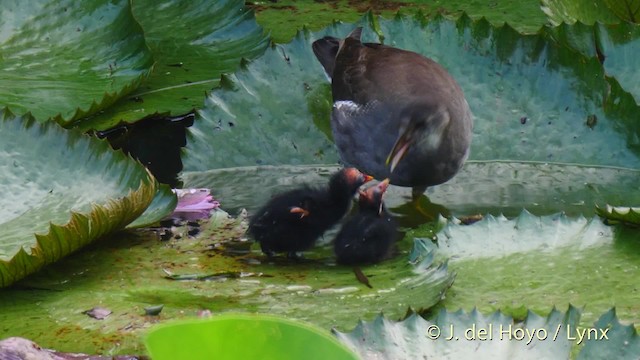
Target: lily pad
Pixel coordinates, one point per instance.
(262, 113)
(62, 191)
(67, 59)
(615, 46)
(128, 274)
(481, 186)
(536, 262)
(225, 337)
(161, 206)
(524, 234)
(620, 45)
(461, 335)
(620, 341)
(626, 215)
(276, 17)
(532, 99)
(627, 10)
(584, 11)
(193, 42)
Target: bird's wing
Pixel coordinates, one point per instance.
(357, 119)
(359, 132)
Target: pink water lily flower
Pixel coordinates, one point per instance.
(194, 204)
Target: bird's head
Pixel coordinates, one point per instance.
(372, 196)
(349, 178)
(419, 126)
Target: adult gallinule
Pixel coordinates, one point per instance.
(396, 113)
(291, 222)
(369, 235)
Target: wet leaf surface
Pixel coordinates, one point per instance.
(493, 187)
(61, 191)
(461, 335)
(525, 16)
(193, 43)
(265, 113)
(584, 11)
(129, 274)
(538, 262)
(67, 59)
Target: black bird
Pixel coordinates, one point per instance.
(392, 105)
(291, 222)
(368, 236)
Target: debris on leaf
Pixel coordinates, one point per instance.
(194, 204)
(592, 120)
(20, 348)
(223, 275)
(98, 313)
(470, 219)
(362, 277)
(153, 310)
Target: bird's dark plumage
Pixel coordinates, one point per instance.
(292, 221)
(395, 107)
(370, 234)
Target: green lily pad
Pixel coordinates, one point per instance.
(524, 234)
(460, 335)
(626, 215)
(262, 113)
(585, 11)
(620, 46)
(627, 10)
(193, 42)
(619, 341)
(537, 262)
(67, 59)
(615, 46)
(128, 274)
(225, 337)
(62, 191)
(162, 205)
(276, 17)
(532, 100)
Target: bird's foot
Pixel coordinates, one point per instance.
(419, 211)
(417, 192)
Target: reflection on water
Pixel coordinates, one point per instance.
(479, 188)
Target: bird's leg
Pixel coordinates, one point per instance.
(419, 210)
(417, 191)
